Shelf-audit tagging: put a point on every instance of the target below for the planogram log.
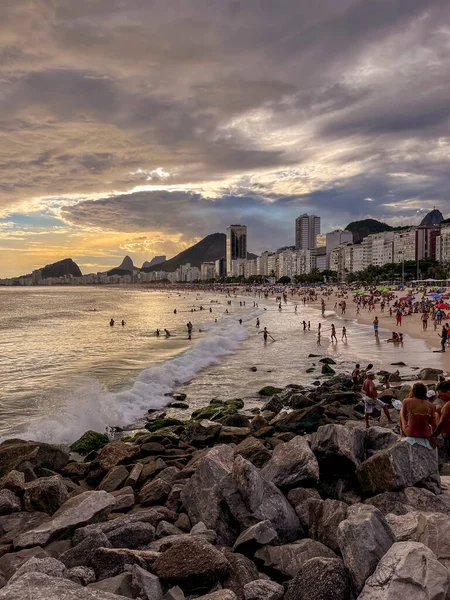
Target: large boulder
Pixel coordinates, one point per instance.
(91, 441)
(321, 519)
(254, 451)
(291, 463)
(320, 579)
(263, 590)
(364, 537)
(13, 481)
(14, 452)
(81, 554)
(407, 570)
(286, 560)
(86, 508)
(46, 566)
(154, 492)
(413, 498)
(404, 527)
(9, 502)
(51, 588)
(116, 453)
(400, 466)
(429, 374)
(433, 530)
(120, 585)
(11, 562)
(145, 585)
(109, 562)
(379, 438)
(46, 494)
(299, 421)
(202, 433)
(192, 563)
(114, 479)
(243, 571)
(339, 449)
(256, 536)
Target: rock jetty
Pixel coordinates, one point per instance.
(294, 501)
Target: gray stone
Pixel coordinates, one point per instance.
(132, 535)
(429, 374)
(320, 579)
(288, 559)
(202, 433)
(46, 566)
(243, 571)
(14, 481)
(134, 475)
(404, 527)
(433, 531)
(116, 453)
(168, 474)
(120, 585)
(9, 563)
(57, 549)
(256, 536)
(305, 420)
(258, 423)
(321, 519)
(183, 522)
(124, 499)
(379, 438)
(51, 588)
(407, 570)
(154, 492)
(291, 463)
(114, 479)
(14, 452)
(299, 495)
(9, 502)
(397, 467)
(81, 575)
(339, 449)
(219, 595)
(174, 593)
(46, 494)
(109, 562)
(274, 405)
(192, 563)
(254, 451)
(263, 590)
(164, 529)
(81, 554)
(209, 534)
(145, 585)
(88, 507)
(364, 537)
(165, 543)
(403, 501)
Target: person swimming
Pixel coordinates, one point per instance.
(111, 323)
(157, 332)
(167, 332)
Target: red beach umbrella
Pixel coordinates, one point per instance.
(443, 305)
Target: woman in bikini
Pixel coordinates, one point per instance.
(417, 416)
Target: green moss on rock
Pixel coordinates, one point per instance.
(90, 442)
(179, 405)
(269, 390)
(161, 423)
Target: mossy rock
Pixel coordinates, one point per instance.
(327, 370)
(178, 405)
(210, 413)
(310, 370)
(179, 396)
(89, 442)
(236, 403)
(161, 423)
(269, 390)
(327, 361)
(313, 355)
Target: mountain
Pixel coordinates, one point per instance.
(125, 268)
(156, 260)
(433, 218)
(210, 248)
(60, 268)
(362, 229)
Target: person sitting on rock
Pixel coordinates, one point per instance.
(371, 399)
(443, 416)
(417, 417)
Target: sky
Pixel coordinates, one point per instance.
(137, 127)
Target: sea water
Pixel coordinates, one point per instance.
(64, 370)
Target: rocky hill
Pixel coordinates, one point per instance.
(362, 229)
(210, 248)
(60, 268)
(433, 218)
(156, 260)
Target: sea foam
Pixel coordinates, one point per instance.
(91, 406)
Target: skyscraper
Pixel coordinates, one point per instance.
(236, 245)
(307, 228)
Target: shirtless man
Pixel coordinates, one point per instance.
(371, 400)
(443, 416)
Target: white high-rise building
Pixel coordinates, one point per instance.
(307, 228)
(335, 239)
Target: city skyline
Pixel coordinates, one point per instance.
(135, 127)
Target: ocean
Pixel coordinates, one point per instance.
(64, 369)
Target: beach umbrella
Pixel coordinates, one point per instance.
(443, 306)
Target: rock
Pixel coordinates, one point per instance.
(327, 361)
(408, 570)
(133, 477)
(132, 535)
(327, 370)
(299, 401)
(403, 501)
(174, 593)
(404, 391)
(219, 595)
(274, 405)
(364, 537)
(236, 420)
(233, 435)
(339, 449)
(164, 529)
(404, 527)
(114, 479)
(254, 537)
(116, 453)
(124, 499)
(9, 502)
(46, 566)
(81, 575)
(56, 549)
(91, 441)
(321, 519)
(291, 463)
(109, 562)
(433, 531)
(13, 481)
(155, 492)
(379, 438)
(46, 494)
(202, 433)
(263, 590)
(243, 571)
(14, 452)
(429, 374)
(397, 467)
(254, 451)
(258, 423)
(51, 588)
(120, 586)
(145, 585)
(269, 390)
(298, 421)
(9, 563)
(300, 495)
(287, 560)
(192, 563)
(183, 522)
(86, 508)
(80, 555)
(179, 405)
(320, 579)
